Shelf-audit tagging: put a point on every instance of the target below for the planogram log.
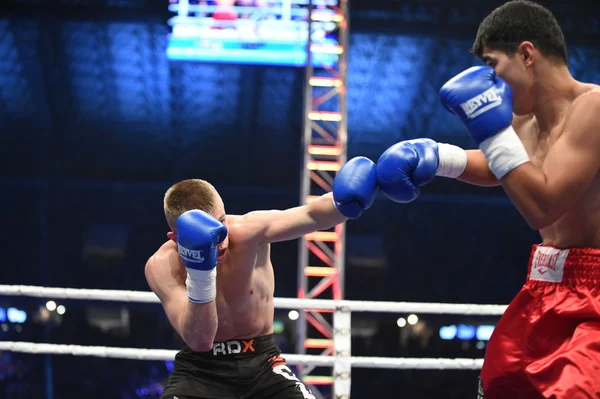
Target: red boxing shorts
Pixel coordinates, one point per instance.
(547, 343)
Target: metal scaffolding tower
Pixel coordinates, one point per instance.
(321, 254)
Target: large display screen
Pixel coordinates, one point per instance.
(261, 32)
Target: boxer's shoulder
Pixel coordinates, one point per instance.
(167, 249)
(236, 225)
(242, 228)
(165, 255)
(235, 219)
(586, 103)
(587, 88)
(164, 267)
(586, 95)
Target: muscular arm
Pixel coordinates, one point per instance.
(196, 323)
(477, 171)
(542, 195)
(274, 225)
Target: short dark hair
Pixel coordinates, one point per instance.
(511, 24)
(187, 195)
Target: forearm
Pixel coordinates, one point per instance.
(477, 171)
(469, 166)
(198, 325)
(324, 213)
(528, 189)
(525, 186)
(199, 319)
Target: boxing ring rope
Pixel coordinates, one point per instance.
(280, 303)
(341, 361)
(306, 360)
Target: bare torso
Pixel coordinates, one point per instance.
(580, 226)
(245, 285)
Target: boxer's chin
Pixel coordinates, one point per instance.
(221, 255)
(520, 111)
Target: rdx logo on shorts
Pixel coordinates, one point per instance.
(233, 347)
(190, 255)
(548, 264)
(481, 103)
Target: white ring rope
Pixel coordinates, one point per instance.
(280, 303)
(309, 360)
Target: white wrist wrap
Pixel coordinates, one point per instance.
(453, 160)
(504, 152)
(201, 285)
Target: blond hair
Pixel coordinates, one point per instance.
(187, 195)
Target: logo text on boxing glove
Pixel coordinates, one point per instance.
(481, 103)
(190, 255)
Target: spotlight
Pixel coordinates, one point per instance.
(51, 306)
(293, 315)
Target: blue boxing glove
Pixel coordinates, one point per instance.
(405, 166)
(484, 104)
(355, 187)
(198, 235)
(482, 100)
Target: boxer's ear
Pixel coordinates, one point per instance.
(172, 236)
(527, 51)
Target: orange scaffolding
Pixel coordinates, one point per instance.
(321, 254)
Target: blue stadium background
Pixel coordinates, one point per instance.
(96, 123)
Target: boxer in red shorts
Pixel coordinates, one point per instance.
(538, 133)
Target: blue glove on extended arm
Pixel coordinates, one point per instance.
(405, 166)
(355, 187)
(198, 235)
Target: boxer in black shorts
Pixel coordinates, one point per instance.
(215, 280)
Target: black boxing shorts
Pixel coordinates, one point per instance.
(244, 368)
